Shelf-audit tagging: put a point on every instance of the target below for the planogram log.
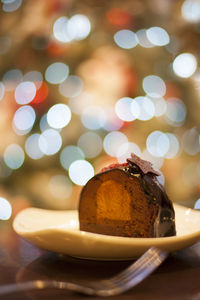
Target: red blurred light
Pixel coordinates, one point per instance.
(57, 48)
(41, 94)
(118, 17)
(172, 90)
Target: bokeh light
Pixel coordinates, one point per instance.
(32, 146)
(143, 39)
(113, 141)
(160, 106)
(24, 119)
(158, 36)
(143, 108)
(80, 171)
(10, 6)
(184, 65)
(56, 73)
(59, 116)
(175, 112)
(14, 156)
(50, 141)
(6, 209)
(60, 30)
(126, 39)
(91, 144)
(69, 154)
(174, 146)
(135, 107)
(158, 143)
(154, 86)
(191, 10)
(123, 109)
(25, 92)
(78, 27)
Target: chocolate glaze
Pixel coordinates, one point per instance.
(164, 224)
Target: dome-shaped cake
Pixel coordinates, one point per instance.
(127, 200)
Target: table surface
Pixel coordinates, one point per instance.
(177, 278)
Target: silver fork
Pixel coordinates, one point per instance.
(115, 285)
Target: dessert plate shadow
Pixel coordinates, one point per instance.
(58, 231)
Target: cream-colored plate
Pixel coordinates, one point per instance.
(58, 231)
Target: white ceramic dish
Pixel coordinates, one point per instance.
(58, 231)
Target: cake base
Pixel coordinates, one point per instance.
(114, 203)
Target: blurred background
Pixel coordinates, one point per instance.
(85, 83)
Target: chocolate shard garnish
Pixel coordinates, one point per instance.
(144, 165)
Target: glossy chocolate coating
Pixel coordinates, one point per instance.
(164, 224)
(127, 200)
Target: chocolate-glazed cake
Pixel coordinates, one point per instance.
(127, 200)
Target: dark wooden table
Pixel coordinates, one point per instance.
(177, 278)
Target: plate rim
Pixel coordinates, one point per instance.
(111, 239)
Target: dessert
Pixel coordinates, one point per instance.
(127, 200)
